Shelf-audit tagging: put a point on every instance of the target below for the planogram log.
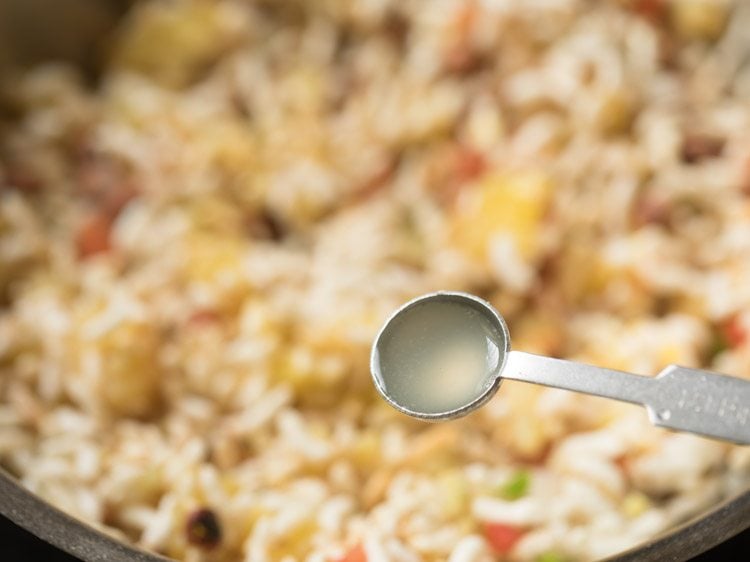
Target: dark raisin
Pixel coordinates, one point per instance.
(463, 59)
(396, 27)
(203, 529)
(669, 51)
(265, 225)
(663, 305)
(698, 147)
(20, 176)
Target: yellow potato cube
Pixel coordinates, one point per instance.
(700, 19)
(172, 41)
(635, 504)
(503, 204)
(113, 361)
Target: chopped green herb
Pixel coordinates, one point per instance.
(516, 487)
(550, 557)
(719, 344)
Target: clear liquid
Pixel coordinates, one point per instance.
(439, 356)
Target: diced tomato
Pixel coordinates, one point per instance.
(735, 333)
(356, 554)
(465, 17)
(93, 236)
(623, 463)
(652, 10)
(468, 163)
(502, 537)
(453, 169)
(116, 201)
(203, 317)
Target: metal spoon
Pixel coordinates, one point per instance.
(678, 398)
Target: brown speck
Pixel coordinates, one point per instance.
(203, 529)
(669, 51)
(105, 181)
(265, 225)
(547, 271)
(698, 147)
(20, 177)
(588, 72)
(537, 458)
(462, 58)
(662, 305)
(396, 27)
(651, 210)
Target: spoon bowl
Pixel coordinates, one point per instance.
(440, 356)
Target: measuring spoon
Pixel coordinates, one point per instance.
(444, 354)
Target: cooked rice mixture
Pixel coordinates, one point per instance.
(196, 253)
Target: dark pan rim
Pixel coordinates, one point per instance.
(695, 536)
(27, 510)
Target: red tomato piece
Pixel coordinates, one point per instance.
(356, 554)
(735, 332)
(203, 317)
(502, 537)
(93, 236)
(469, 164)
(652, 10)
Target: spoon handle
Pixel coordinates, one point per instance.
(678, 398)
